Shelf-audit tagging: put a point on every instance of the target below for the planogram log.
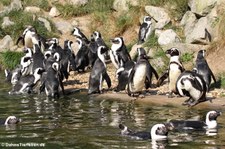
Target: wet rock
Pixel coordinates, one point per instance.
(168, 36)
(46, 23)
(6, 43)
(54, 12)
(6, 22)
(32, 9)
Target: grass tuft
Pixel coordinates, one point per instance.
(43, 4)
(10, 59)
(187, 57)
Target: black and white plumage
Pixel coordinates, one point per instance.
(118, 53)
(92, 54)
(174, 70)
(14, 75)
(145, 29)
(26, 83)
(99, 73)
(77, 33)
(37, 58)
(10, 120)
(191, 84)
(69, 52)
(138, 75)
(26, 65)
(209, 123)
(203, 68)
(157, 132)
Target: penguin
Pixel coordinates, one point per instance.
(191, 84)
(71, 56)
(138, 75)
(122, 74)
(175, 69)
(26, 65)
(203, 69)
(92, 54)
(118, 52)
(26, 83)
(51, 81)
(13, 76)
(99, 73)
(10, 120)
(157, 132)
(77, 33)
(8, 75)
(81, 59)
(209, 123)
(145, 29)
(37, 58)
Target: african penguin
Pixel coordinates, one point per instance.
(209, 123)
(26, 64)
(99, 73)
(10, 120)
(92, 54)
(191, 84)
(175, 69)
(37, 58)
(13, 76)
(138, 75)
(26, 83)
(157, 132)
(70, 53)
(145, 29)
(77, 33)
(203, 69)
(118, 52)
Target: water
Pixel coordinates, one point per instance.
(80, 121)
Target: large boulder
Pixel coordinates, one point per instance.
(202, 7)
(54, 12)
(32, 9)
(64, 26)
(123, 5)
(188, 22)
(78, 2)
(46, 23)
(158, 14)
(6, 22)
(16, 5)
(6, 43)
(168, 36)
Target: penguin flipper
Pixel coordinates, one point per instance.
(155, 72)
(162, 78)
(107, 79)
(130, 81)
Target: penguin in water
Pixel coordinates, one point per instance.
(138, 75)
(158, 132)
(191, 84)
(118, 53)
(99, 73)
(175, 69)
(10, 120)
(145, 29)
(26, 83)
(13, 76)
(203, 69)
(209, 123)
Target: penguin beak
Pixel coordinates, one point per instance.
(168, 51)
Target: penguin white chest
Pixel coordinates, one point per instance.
(139, 78)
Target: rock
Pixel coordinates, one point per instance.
(167, 37)
(54, 12)
(158, 14)
(6, 22)
(6, 43)
(188, 22)
(120, 6)
(133, 50)
(64, 27)
(16, 5)
(78, 2)
(202, 7)
(32, 9)
(46, 23)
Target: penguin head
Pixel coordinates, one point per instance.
(201, 54)
(173, 52)
(55, 66)
(97, 35)
(118, 41)
(142, 53)
(12, 120)
(211, 117)
(47, 54)
(76, 32)
(80, 42)
(69, 44)
(52, 41)
(29, 29)
(25, 61)
(159, 131)
(147, 19)
(57, 56)
(38, 71)
(124, 129)
(28, 51)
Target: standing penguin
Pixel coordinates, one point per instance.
(145, 29)
(118, 53)
(138, 75)
(203, 68)
(175, 69)
(77, 33)
(191, 84)
(99, 73)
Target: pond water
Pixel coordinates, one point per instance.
(81, 121)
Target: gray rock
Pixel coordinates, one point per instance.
(159, 14)
(120, 6)
(168, 36)
(6, 43)
(133, 50)
(32, 9)
(202, 7)
(6, 22)
(64, 27)
(16, 5)
(188, 22)
(54, 12)
(78, 2)
(46, 23)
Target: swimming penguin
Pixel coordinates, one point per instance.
(26, 83)
(145, 29)
(203, 69)
(158, 132)
(138, 75)
(10, 120)
(118, 53)
(175, 69)
(77, 33)
(191, 84)
(99, 73)
(209, 123)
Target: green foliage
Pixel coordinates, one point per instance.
(10, 59)
(187, 57)
(43, 4)
(23, 19)
(123, 22)
(152, 41)
(5, 2)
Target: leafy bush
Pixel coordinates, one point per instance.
(10, 59)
